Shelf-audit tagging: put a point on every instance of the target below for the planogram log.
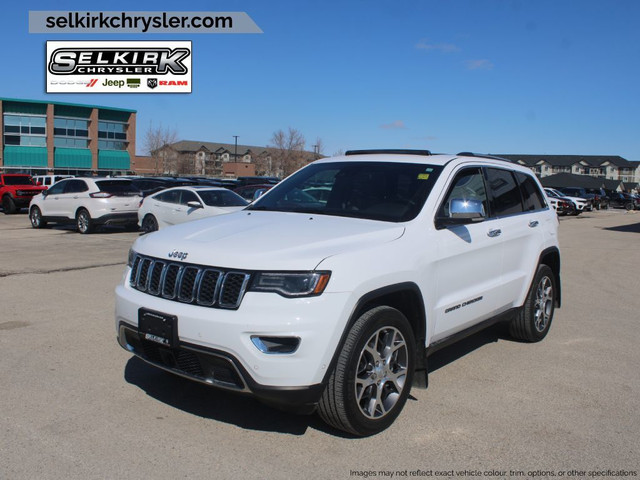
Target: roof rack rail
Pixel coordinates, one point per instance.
(390, 151)
(482, 155)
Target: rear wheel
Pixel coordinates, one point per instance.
(84, 224)
(149, 224)
(372, 379)
(534, 320)
(35, 215)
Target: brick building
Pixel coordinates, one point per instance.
(40, 137)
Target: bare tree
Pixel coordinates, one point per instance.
(288, 153)
(157, 142)
(319, 147)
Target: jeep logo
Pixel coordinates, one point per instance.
(113, 83)
(178, 255)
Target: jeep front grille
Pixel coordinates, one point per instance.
(187, 283)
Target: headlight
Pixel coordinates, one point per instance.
(291, 284)
(132, 255)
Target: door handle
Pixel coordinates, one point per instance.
(494, 233)
(534, 223)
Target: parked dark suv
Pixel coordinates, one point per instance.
(623, 200)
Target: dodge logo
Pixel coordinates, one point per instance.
(152, 82)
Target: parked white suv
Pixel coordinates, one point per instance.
(335, 304)
(87, 203)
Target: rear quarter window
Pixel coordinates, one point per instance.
(531, 194)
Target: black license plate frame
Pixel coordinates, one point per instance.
(158, 327)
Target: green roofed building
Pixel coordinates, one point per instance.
(40, 138)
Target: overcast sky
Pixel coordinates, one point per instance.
(510, 76)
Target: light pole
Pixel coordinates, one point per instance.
(235, 153)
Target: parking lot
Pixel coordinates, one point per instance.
(75, 405)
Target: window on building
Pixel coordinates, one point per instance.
(70, 132)
(25, 130)
(112, 135)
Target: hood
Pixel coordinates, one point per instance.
(253, 240)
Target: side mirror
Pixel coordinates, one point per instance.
(38, 184)
(194, 204)
(45, 193)
(462, 212)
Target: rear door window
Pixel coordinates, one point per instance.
(505, 192)
(76, 186)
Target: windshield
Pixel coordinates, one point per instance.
(387, 191)
(118, 188)
(17, 180)
(222, 198)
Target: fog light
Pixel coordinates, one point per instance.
(276, 345)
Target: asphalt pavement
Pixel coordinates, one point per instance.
(74, 405)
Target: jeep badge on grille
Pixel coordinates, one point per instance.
(178, 255)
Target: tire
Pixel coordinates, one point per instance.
(35, 215)
(149, 224)
(370, 384)
(534, 320)
(628, 206)
(8, 205)
(84, 224)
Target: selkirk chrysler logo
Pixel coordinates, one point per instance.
(149, 66)
(118, 61)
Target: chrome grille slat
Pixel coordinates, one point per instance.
(209, 287)
(188, 283)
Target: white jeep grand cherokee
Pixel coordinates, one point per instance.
(335, 303)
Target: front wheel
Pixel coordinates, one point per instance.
(84, 223)
(534, 320)
(372, 378)
(35, 215)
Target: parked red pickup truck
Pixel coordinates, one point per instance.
(16, 191)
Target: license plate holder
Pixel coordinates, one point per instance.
(158, 327)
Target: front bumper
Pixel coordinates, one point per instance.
(217, 369)
(215, 347)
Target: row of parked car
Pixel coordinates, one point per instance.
(150, 203)
(135, 202)
(574, 200)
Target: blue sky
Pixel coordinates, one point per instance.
(499, 76)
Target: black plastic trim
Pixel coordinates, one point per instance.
(299, 399)
(483, 155)
(554, 251)
(388, 151)
(445, 342)
(369, 298)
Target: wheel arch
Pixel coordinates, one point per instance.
(79, 209)
(406, 298)
(551, 258)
